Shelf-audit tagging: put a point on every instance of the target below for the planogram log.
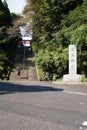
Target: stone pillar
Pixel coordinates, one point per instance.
(72, 59)
(72, 76)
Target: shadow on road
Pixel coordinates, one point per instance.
(8, 88)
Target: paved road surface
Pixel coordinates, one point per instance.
(42, 106)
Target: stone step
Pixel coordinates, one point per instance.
(27, 69)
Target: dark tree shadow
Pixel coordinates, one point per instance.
(8, 88)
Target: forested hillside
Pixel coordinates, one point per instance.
(7, 42)
(56, 24)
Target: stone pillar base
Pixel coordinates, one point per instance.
(72, 78)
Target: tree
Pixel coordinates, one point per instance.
(56, 24)
(5, 14)
(7, 43)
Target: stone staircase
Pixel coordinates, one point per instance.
(25, 65)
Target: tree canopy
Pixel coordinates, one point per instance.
(55, 25)
(7, 42)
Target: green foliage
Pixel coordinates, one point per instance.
(52, 63)
(7, 43)
(56, 24)
(84, 78)
(3, 65)
(79, 36)
(5, 18)
(82, 62)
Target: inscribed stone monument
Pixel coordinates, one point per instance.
(72, 76)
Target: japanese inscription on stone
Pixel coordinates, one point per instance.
(72, 60)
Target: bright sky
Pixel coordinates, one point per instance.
(16, 6)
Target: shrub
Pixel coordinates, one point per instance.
(53, 64)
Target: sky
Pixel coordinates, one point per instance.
(16, 6)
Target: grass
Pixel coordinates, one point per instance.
(40, 73)
(59, 80)
(84, 78)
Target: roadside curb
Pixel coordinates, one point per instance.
(72, 83)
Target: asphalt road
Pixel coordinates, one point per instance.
(43, 106)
